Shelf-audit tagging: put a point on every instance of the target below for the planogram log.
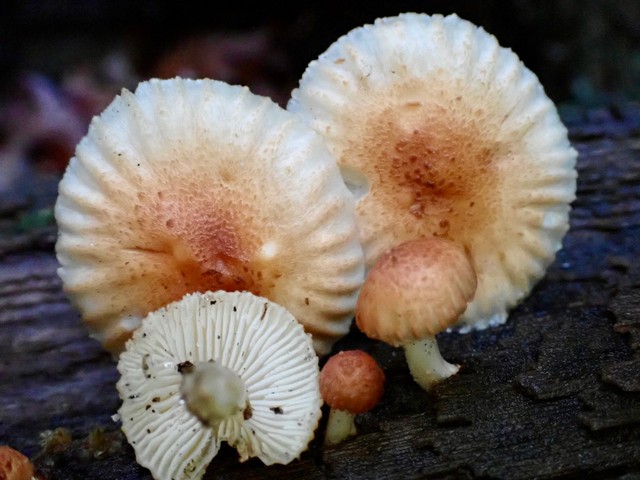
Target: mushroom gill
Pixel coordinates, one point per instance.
(218, 367)
(441, 132)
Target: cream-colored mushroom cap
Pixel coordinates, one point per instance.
(440, 131)
(255, 339)
(415, 290)
(196, 185)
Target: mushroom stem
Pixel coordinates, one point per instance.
(340, 425)
(213, 392)
(426, 364)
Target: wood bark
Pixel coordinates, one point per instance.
(553, 393)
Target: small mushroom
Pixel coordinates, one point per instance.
(195, 185)
(218, 367)
(413, 292)
(14, 465)
(351, 382)
(439, 131)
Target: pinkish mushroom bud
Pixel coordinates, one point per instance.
(351, 382)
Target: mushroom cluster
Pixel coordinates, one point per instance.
(440, 132)
(223, 241)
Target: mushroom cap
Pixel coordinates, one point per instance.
(196, 185)
(254, 337)
(440, 131)
(351, 381)
(14, 465)
(415, 290)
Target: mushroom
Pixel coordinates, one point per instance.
(14, 465)
(413, 292)
(439, 131)
(195, 185)
(213, 367)
(351, 382)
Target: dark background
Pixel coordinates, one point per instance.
(584, 51)
(62, 62)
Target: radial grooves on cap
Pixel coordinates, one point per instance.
(458, 87)
(316, 327)
(177, 187)
(88, 190)
(325, 242)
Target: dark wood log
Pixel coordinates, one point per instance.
(553, 393)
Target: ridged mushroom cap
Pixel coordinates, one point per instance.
(257, 339)
(415, 290)
(440, 131)
(196, 185)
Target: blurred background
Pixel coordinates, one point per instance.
(61, 62)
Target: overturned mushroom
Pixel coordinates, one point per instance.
(413, 292)
(441, 132)
(218, 367)
(196, 185)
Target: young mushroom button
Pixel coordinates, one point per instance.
(14, 465)
(195, 185)
(439, 131)
(218, 367)
(415, 291)
(351, 382)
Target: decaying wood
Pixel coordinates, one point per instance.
(553, 393)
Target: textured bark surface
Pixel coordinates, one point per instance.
(553, 393)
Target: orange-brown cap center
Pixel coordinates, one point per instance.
(200, 243)
(434, 170)
(351, 381)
